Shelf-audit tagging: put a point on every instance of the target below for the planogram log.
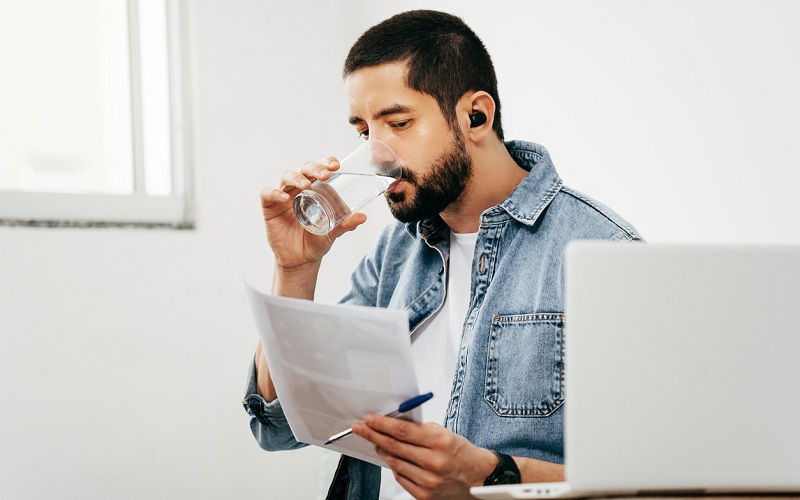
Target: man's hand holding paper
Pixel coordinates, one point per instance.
(333, 364)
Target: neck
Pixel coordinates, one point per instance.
(495, 175)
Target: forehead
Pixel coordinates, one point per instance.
(373, 88)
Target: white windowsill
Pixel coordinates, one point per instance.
(81, 210)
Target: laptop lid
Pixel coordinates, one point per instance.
(682, 367)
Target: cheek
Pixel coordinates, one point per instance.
(420, 146)
(417, 164)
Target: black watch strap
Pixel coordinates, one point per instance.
(506, 471)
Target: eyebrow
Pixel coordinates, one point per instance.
(390, 110)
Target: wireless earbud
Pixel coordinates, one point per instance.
(477, 119)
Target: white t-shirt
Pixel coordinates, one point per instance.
(434, 346)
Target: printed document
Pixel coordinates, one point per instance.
(333, 364)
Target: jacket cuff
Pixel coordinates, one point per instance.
(268, 413)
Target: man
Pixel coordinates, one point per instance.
(476, 258)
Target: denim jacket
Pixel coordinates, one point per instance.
(508, 387)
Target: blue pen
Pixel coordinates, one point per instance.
(406, 406)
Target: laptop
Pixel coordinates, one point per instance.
(682, 372)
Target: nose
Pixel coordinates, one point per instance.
(383, 159)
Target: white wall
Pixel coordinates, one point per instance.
(122, 352)
(680, 115)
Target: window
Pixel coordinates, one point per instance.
(94, 113)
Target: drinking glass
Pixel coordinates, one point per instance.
(365, 174)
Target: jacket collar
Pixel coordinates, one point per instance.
(525, 204)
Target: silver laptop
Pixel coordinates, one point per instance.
(682, 371)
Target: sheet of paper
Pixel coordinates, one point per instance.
(333, 364)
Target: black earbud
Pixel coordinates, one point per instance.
(477, 119)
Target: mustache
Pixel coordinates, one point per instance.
(409, 176)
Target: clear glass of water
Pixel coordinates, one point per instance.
(365, 174)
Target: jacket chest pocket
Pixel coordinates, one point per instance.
(525, 365)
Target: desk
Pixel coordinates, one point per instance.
(726, 496)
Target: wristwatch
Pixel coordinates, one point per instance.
(506, 471)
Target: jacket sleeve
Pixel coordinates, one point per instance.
(267, 420)
(364, 279)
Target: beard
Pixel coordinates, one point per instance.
(442, 185)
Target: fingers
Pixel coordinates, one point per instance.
(403, 430)
(321, 169)
(293, 181)
(410, 486)
(411, 471)
(330, 161)
(271, 197)
(397, 448)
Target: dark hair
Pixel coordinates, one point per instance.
(445, 57)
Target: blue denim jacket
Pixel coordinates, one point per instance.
(508, 388)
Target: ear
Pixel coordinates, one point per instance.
(469, 104)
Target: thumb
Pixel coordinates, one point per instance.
(349, 224)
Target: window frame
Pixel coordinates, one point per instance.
(139, 209)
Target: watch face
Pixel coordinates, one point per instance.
(507, 477)
(506, 471)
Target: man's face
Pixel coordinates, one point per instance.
(434, 158)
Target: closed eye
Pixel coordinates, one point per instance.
(401, 125)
